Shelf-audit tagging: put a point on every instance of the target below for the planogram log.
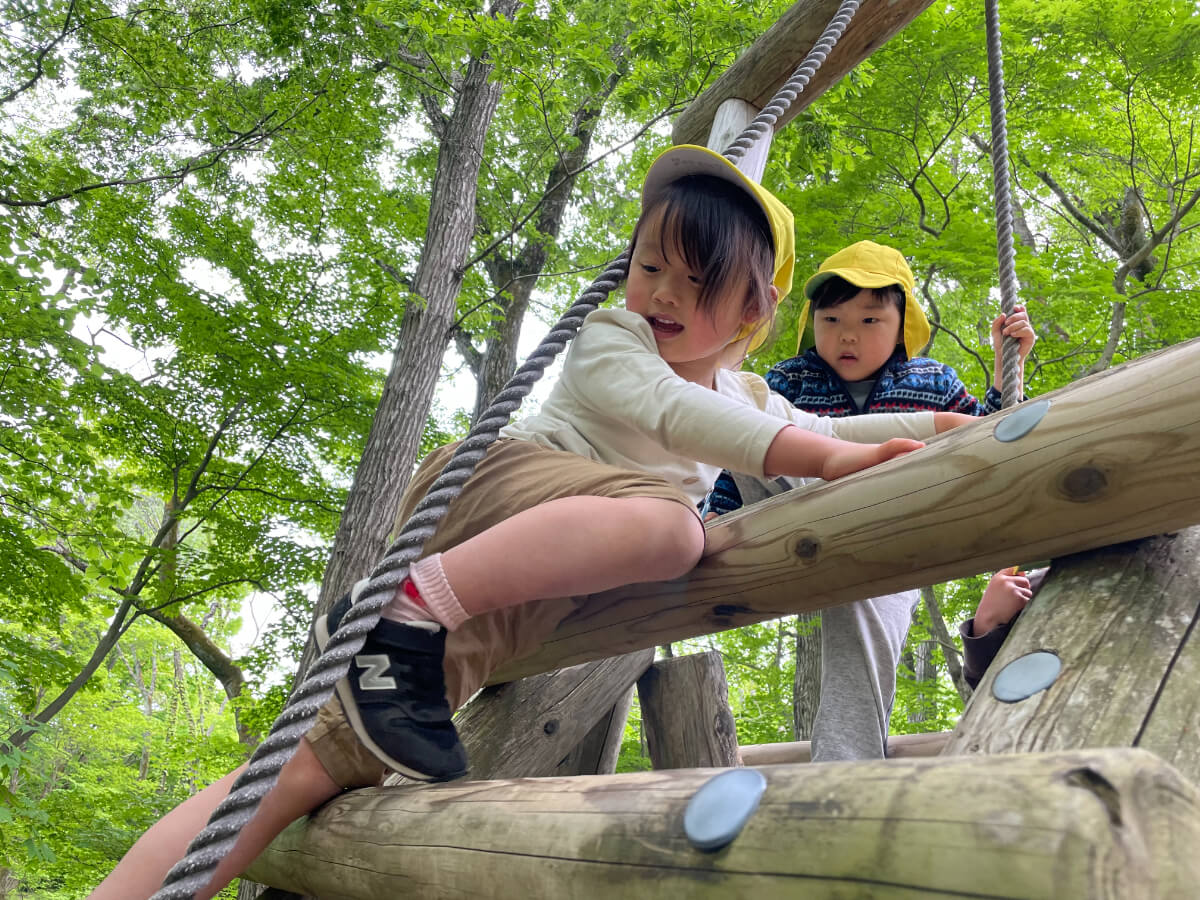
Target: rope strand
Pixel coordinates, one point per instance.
(217, 838)
(1010, 356)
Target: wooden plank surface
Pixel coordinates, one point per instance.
(1116, 458)
(768, 63)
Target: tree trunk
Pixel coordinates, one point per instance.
(516, 278)
(395, 435)
(806, 687)
(950, 653)
(925, 673)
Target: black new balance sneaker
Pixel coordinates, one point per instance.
(394, 697)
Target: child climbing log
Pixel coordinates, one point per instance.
(1116, 457)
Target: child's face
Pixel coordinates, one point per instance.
(664, 290)
(857, 337)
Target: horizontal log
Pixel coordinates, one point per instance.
(770, 61)
(1117, 457)
(1101, 824)
(899, 746)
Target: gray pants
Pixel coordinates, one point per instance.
(861, 645)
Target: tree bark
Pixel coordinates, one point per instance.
(925, 673)
(806, 686)
(941, 634)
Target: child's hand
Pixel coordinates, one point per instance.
(1016, 326)
(1006, 595)
(850, 457)
(944, 421)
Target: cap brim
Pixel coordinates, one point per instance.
(857, 277)
(687, 159)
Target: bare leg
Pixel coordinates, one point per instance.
(303, 786)
(571, 546)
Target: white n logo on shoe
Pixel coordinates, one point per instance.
(373, 679)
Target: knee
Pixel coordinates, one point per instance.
(675, 541)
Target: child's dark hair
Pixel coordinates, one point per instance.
(722, 234)
(837, 290)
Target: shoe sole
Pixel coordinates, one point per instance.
(345, 697)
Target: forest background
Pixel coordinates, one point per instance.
(245, 241)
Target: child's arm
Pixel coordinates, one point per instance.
(983, 635)
(1005, 596)
(1016, 326)
(805, 454)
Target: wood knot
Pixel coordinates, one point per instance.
(1083, 484)
(807, 547)
(551, 726)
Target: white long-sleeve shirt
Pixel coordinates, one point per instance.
(618, 402)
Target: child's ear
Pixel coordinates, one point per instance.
(748, 318)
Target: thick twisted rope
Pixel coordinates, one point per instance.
(1010, 359)
(218, 837)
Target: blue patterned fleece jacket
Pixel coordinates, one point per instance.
(902, 385)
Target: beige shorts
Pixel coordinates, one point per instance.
(514, 476)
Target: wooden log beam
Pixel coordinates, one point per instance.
(530, 727)
(1098, 824)
(1117, 457)
(759, 72)
(685, 713)
(600, 749)
(1123, 622)
(899, 746)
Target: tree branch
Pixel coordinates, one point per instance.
(39, 61)
(244, 141)
(950, 651)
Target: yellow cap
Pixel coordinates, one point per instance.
(688, 159)
(870, 265)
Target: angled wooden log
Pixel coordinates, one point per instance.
(1117, 824)
(598, 752)
(685, 713)
(1122, 620)
(529, 727)
(1116, 457)
(770, 61)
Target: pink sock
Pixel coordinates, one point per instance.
(426, 595)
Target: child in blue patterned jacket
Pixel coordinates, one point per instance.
(868, 331)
